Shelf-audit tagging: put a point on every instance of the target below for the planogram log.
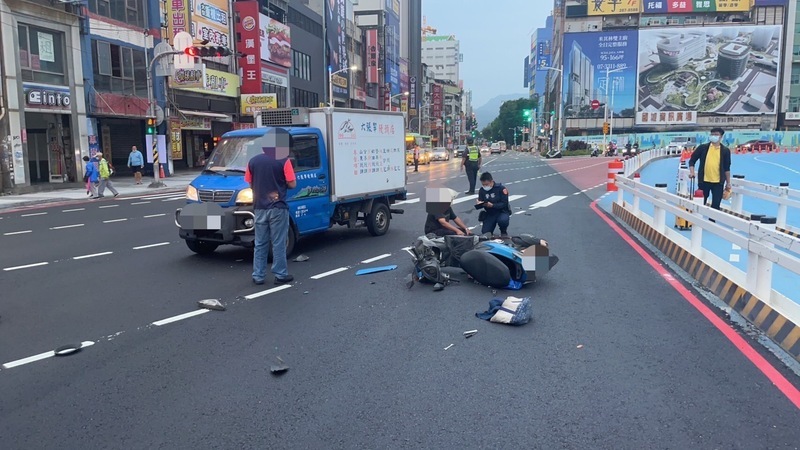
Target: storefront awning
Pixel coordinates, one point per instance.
(220, 117)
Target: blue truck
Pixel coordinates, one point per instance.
(350, 168)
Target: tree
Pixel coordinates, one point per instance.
(512, 114)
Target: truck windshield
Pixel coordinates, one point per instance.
(233, 154)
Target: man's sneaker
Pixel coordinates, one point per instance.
(116, 194)
(286, 279)
(258, 282)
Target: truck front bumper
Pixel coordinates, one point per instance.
(210, 222)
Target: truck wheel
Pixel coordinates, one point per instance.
(201, 247)
(378, 219)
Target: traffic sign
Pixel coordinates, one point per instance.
(595, 104)
(546, 126)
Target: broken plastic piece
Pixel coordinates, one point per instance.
(301, 258)
(212, 304)
(409, 281)
(438, 287)
(376, 270)
(279, 369)
(448, 347)
(470, 333)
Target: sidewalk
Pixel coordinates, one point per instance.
(125, 186)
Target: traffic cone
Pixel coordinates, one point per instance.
(161, 171)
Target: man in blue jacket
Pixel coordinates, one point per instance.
(493, 198)
(136, 163)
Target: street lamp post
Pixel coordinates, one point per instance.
(605, 113)
(330, 80)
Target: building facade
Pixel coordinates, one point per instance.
(442, 54)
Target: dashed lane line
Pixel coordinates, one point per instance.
(108, 206)
(267, 292)
(140, 203)
(114, 220)
(173, 199)
(40, 356)
(26, 266)
(406, 202)
(13, 233)
(179, 317)
(64, 227)
(377, 258)
(328, 273)
(93, 255)
(34, 214)
(142, 247)
(73, 210)
(155, 215)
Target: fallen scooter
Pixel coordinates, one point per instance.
(508, 263)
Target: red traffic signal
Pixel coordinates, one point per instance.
(208, 51)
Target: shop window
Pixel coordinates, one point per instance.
(303, 98)
(280, 91)
(117, 69)
(125, 11)
(301, 65)
(304, 153)
(41, 54)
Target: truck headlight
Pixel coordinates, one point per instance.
(245, 196)
(191, 193)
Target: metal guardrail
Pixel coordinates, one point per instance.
(765, 245)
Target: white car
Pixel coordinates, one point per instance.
(496, 148)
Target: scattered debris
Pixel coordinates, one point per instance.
(410, 281)
(448, 347)
(511, 311)
(68, 349)
(305, 292)
(580, 346)
(279, 369)
(301, 258)
(470, 333)
(239, 260)
(212, 304)
(438, 287)
(376, 270)
(371, 282)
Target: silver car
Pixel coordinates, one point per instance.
(440, 154)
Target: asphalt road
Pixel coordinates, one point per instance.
(614, 359)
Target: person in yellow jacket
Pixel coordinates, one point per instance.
(715, 168)
(106, 170)
(471, 162)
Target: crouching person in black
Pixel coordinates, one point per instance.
(493, 198)
(439, 224)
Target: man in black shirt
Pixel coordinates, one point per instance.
(439, 224)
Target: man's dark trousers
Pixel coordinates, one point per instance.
(495, 219)
(416, 164)
(715, 190)
(472, 175)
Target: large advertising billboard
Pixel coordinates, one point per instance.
(392, 49)
(276, 41)
(689, 6)
(714, 70)
(211, 22)
(335, 27)
(599, 66)
(607, 7)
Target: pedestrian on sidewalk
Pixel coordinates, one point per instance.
(106, 170)
(270, 175)
(91, 176)
(715, 168)
(136, 163)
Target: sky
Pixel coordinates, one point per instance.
(495, 37)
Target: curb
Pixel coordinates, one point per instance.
(777, 327)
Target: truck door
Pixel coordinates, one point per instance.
(309, 202)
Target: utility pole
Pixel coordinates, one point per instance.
(151, 112)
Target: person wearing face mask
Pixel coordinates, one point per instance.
(493, 198)
(715, 168)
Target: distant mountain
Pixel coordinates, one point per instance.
(488, 112)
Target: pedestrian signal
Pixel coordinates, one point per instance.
(151, 125)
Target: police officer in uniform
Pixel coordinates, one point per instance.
(493, 198)
(472, 162)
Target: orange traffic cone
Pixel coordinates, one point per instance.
(161, 171)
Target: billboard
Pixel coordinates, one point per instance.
(689, 6)
(588, 57)
(543, 54)
(177, 17)
(437, 100)
(770, 3)
(211, 22)
(719, 70)
(335, 27)
(608, 7)
(372, 55)
(276, 41)
(392, 49)
(403, 75)
(248, 45)
(526, 67)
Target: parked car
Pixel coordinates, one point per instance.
(459, 151)
(496, 149)
(440, 154)
(757, 146)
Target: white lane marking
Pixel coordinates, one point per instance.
(173, 199)
(329, 273)
(154, 215)
(150, 246)
(93, 255)
(377, 258)
(12, 233)
(67, 226)
(114, 220)
(512, 198)
(159, 323)
(108, 206)
(39, 357)
(407, 248)
(34, 214)
(465, 199)
(267, 292)
(735, 247)
(548, 201)
(411, 194)
(154, 196)
(74, 210)
(733, 257)
(26, 266)
(405, 202)
(776, 164)
(140, 203)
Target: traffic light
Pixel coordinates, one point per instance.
(526, 113)
(605, 127)
(552, 113)
(208, 51)
(448, 121)
(151, 125)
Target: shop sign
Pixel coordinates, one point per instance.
(252, 103)
(47, 97)
(177, 17)
(361, 95)
(195, 123)
(793, 116)
(210, 22)
(249, 45)
(175, 139)
(272, 78)
(189, 78)
(217, 83)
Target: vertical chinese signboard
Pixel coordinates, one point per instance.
(335, 24)
(177, 17)
(412, 96)
(248, 45)
(175, 141)
(372, 56)
(437, 101)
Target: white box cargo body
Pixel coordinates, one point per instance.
(366, 150)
